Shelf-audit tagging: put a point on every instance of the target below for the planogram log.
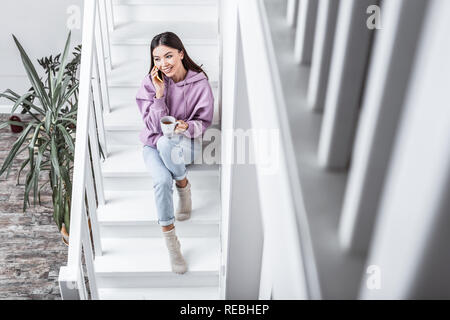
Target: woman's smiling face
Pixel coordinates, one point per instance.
(168, 60)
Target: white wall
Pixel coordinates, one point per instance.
(41, 27)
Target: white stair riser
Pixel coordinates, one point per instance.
(138, 75)
(128, 183)
(161, 12)
(157, 280)
(120, 95)
(141, 230)
(198, 53)
(123, 138)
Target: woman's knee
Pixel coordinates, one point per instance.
(170, 151)
(164, 145)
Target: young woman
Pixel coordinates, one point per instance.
(175, 86)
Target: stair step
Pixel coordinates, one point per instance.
(201, 293)
(198, 52)
(133, 214)
(132, 72)
(126, 117)
(157, 10)
(190, 32)
(165, 2)
(128, 162)
(144, 263)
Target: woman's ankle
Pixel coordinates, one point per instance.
(181, 183)
(168, 228)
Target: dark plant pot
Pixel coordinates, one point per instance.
(14, 128)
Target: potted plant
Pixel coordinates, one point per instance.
(50, 136)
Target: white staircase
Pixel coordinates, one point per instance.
(134, 263)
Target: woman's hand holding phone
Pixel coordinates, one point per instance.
(157, 82)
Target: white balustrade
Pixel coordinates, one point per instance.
(391, 68)
(349, 63)
(84, 234)
(304, 36)
(291, 14)
(322, 52)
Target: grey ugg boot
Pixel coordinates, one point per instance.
(184, 207)
(176, 258)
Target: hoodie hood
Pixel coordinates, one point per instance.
(191, 77)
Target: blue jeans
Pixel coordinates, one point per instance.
(167, 162)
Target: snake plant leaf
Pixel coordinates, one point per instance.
(69, 93)
(24, 163)
(35, 135)
(48, 119)
(28, 185)
(20, 101)
(15, 123)
(66, 179)
(56, 206)
(15, 148)
(14, 96)
(54, 157)
(67, 137)
(37, 167)
(62, 67)
(59, 91)
(67, 213)
(33, 76)
(40, 189)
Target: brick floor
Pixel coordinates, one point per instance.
(31, 250)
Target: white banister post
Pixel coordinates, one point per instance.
(68, 286)
(96, 159)
(110, 15)
(291, 15)
(103, 19)
(103, 77)
(349, 63)
(98, 107)
(81, 146)
(92, 208)
(386, 88)
(322, 52)
(82, 281)
(89, 258)
(410, 244)
(304, 36)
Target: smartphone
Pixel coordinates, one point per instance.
(159, 74)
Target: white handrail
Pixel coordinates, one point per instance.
(71, 277)
(280, 192)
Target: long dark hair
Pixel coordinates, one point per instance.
(171, 40)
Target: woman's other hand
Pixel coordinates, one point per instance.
(159, 85)
(181, 126)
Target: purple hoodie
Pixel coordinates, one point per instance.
(190, 100)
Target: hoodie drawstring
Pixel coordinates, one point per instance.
(184, 96)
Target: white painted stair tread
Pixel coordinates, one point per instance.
(131, 73)
(126, 161)
(126, 117)
(181, 293)
(165, 2)
(141, 33)
(150, 255)
(131, 207)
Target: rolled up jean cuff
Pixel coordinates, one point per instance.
(165, 223)
(180, 177)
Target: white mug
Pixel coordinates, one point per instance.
(168, 128)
